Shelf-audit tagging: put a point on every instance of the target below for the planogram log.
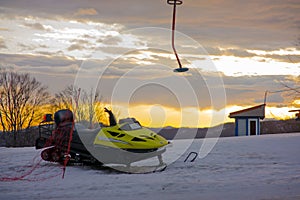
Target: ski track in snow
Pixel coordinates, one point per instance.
(258, 167)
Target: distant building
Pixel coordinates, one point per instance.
(247, 121)
(297, 115)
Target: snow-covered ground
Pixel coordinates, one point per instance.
(256, 167)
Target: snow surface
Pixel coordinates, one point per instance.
(257, 167)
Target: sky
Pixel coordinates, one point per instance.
(236, 50)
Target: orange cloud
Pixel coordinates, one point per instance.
(86, 11)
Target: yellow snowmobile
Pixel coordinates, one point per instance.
(127, 142)
(124, 143)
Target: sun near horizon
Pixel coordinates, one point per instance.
(157, 116)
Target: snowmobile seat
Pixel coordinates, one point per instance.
(63, 117)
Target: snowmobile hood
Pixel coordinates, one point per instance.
(129, 136)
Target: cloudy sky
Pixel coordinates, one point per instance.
(236, 50)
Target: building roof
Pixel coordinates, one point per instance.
(256, 111)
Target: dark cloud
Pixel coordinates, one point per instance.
(237, 52)
(114, 50)
(222, 27)
(254, 24)
(74, 47)
(80, 44)
(165, 98)
(37, 60)
(86, 12)
(58, 71)
(213, 50)
(2, 44)
(43, 46)
(109, 43)
(36, 26)
(275, 99)
(284, 58)
(26, 47)
(80, 41)
(50, 54)
(241, 91)
(246, 90)
(110, 40)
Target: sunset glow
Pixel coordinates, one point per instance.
(159, 116)
(240, 52)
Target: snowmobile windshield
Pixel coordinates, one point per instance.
(131, 126)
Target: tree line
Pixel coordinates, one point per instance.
(24, 100)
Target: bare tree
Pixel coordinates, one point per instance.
(87, 106)
(21, 97)
(293, 92)
(93, 107)
(65, 99)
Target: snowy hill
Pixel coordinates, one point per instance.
(27, 138)
(227, 129)
(256, 167)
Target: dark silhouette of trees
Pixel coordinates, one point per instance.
(87, 106)
(21, 98)
(293, 92)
